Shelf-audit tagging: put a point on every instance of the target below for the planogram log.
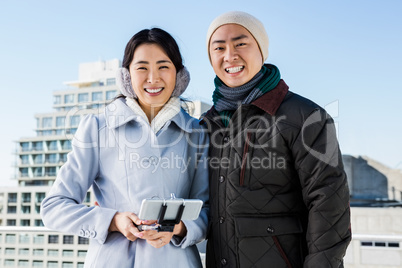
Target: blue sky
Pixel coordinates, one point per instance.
(344, 55)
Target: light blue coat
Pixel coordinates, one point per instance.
(123, 160)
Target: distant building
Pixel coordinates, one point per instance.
(371, 183)
(39, 159)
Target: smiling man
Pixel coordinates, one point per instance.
(294, 211)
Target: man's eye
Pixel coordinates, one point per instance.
(218, 48)
(241, 44)
(164, 67)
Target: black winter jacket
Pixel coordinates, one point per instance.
(278, 191)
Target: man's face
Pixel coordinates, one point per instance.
(235, 55)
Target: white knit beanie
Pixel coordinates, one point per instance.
(251, 23)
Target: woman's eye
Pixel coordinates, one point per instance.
(218, 48)
(164, 67)
(141, 68)
(241, 44)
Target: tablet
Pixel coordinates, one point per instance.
(150, 208)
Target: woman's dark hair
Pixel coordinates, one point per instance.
(154, 36)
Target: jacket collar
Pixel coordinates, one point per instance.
(118, 114)
(269, 102)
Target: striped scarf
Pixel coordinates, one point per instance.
(227, 99)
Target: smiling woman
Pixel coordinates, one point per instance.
(117, 153)
(153, 78)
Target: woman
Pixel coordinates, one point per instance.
(144, 145)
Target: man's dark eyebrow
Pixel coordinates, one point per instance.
(233, 39)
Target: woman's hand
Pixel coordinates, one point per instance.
(123, 222)
(160, 239)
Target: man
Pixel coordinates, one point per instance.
(278, 190)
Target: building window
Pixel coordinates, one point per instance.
(11, 223)
(52, 264)
(67, 265)
(66, 145)
(83, 97)
(393, 244)
(69, 98)
(24, 238)
(9, 263)
(68, 253)
(63, 158)
(51, 158)
(39, 239)
(10, 238)
(37, 146)
(38, 252)
(52, 145)
(25, 209)
(47, 122)
(12, 198)
(97, 96)
(37, 172)
(39, 197)
(9, 251)
(37, 264)
(110, 81)
(38, 159)
(23, 263)
(60, 132)
(111, 94)
(24, 159)
(47, 133)
(23, 251)
(74, 120)
(83, 240)
(68, 239)
(60, 121)
(73, 130)
(24, 172)
(53, 252)
(57, 99)
(39, 223)
(25, 222)
(26, 197)
(81, 253)
(11, 209)
(80, 265)
(53, 239)
(50, 171)
(24, 146)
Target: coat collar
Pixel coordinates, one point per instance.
(269, 102)
(118, 114)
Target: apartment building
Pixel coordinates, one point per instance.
(24, 242)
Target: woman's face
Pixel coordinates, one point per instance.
(153, 77)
